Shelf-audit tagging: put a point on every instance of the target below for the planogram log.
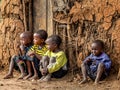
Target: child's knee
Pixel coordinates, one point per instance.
(83, 64)
(101, 65)
(14, 56)
(45, 57)
(52, 60)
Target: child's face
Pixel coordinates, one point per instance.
(37, 40)
(50, 45)
(96, 49)
(24, 40)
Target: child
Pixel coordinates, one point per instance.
(17, 60)
(97, 65)
(37, 51)
(59, 68)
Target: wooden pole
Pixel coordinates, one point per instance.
(30, 16)
(24, 14)
(70, 48)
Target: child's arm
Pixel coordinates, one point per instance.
(107, 63)
(61, 60)
(38, 56)
(44, 62)
(22, 50)
(30, 53)
(87, 59)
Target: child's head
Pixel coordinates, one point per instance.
(26, 38)
(39, 37)
(53, 42)
(97, 47)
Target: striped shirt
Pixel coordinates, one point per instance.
(39, 50)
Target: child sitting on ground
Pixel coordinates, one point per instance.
(36, 52)
(18, 60)
(58, 68)
(97, 65)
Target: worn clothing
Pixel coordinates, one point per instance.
(39, 50)
(95, 60)
(21, 58)
(61, 61)
(93, 75)
(59, 74)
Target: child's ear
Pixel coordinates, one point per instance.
(43, 40)
(55, 45)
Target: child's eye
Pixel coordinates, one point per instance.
(94, 49)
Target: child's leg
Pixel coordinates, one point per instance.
(21, 65)
(45, 61)
(35, 65)
(47, 77)
(52, 60)
(100, 71)
(11, 67)
(35, 76)
(29, 67)
(83, 68)
(43, 64)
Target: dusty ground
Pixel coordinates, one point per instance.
(65, 83)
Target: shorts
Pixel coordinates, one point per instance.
(60, 73)
(17, 60)
(93, 75)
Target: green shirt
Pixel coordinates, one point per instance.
(61, 61)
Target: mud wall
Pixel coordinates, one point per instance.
(78, 22)
(11, 26)
(85, 21)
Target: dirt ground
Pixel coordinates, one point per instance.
(66, 83)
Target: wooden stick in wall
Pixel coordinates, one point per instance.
(24, 15)
(70, 48)
(30, 16)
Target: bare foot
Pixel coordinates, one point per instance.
(27, 77)
(35, 77)
(8, 76)
(41, 79)
(83, 81)
(47, 78)
(96, 83)
(22, 76)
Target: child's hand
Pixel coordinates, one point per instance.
(88, 60)
(44, 71)
(95, 62)
(30, 53)
(22, 49)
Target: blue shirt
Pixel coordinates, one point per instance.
(103, 58)
(23, 57)
(26, 49)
